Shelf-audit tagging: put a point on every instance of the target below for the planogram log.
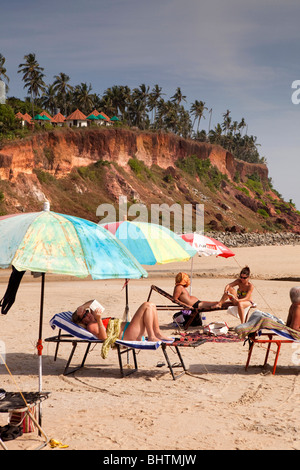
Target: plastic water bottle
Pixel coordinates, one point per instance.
(203, 319)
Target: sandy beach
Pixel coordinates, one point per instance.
(216, 405)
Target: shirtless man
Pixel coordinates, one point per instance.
(182, 281)
(293, 320)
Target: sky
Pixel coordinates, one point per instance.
(237, 55)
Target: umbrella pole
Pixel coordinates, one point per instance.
(127, 305)
(39, 343)
(127, 310)
(192, 260)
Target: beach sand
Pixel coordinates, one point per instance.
(216, 405)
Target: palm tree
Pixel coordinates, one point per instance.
(153, 100)
(226, 121)
(62, 87)
(124, 100)
(178, 97)
(139, 106)
(32, 77)
(142, 94)
(234, 127)
(215, 136)
(209, 123)
(84, 97)
(197, 109)
(242, 124)
(96, 100)
(3, 70)
(201, 136)
(117, 99)
(106, 103)
(159, 118)
(111, 99)
(170, 118)
(184, 123)
(49, 99)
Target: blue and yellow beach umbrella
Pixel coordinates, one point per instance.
(151, 243)
(49, 242)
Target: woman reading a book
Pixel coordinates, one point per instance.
(144, 321)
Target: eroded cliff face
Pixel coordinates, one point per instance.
(79, 191)
(61, 150)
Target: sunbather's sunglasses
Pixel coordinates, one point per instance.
(85, 314)
(243, 277)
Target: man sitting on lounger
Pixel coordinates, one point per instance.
(182, 281)
(145, 320)
(293, 320)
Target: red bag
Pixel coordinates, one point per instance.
(18, 417)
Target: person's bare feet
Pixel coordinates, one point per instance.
(153, 338)
(164, 338)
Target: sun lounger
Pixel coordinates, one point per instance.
(269, 339)
(264, 328)
(75, 334)
(178, 306)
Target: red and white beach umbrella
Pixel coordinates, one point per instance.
(206, 246)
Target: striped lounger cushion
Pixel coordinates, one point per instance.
(63, 320)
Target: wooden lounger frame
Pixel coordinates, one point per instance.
(177, 305)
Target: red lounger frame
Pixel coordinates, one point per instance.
(269, 340)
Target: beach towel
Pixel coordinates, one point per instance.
(113, 332)
(196, 339)
(262, 320)
(233, 310)
(63, 320)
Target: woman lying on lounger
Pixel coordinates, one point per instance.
(145, 320)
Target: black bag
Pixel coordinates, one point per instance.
(10, 295)
(10, 432)
(181, 318)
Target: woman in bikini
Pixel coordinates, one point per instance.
(145, 320)
(242, 297)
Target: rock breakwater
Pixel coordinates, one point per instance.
(256, 239)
